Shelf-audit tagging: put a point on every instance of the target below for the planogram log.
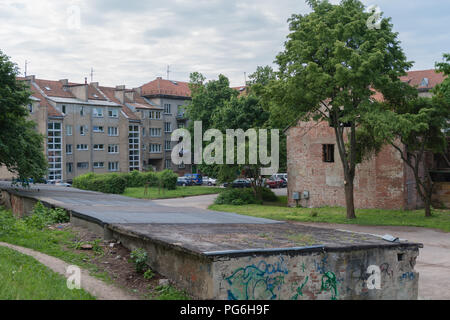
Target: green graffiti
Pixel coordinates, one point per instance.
(303, 267)
(300, 289)
(329, 283)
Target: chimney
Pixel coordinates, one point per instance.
(119, 93)
(158, 78)
(31, 78)
(130, 95)
(85, 80)
(80, 91)
(138, 90)
(65, 82)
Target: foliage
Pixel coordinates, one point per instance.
(149, 274)
(42, 216)
(328, 70)
(140, 179)
(239, 196)
(170, 293)
(168, 179)
(139, 257)
(21, 147)
(154, 192)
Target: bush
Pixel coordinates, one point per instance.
(43, 216)
(7, 222)
(168, 179)
(237, 197)
(106, 183)
(139, 258)
(267, 194)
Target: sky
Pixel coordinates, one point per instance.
(134, 41)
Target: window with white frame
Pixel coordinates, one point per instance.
(181, 125)
(98, 129)
(54, 150)
(83, 165)
(83, 130)
(113, 131)
(113, 148)
(69, 130)
(69, 167)
(155, 132)
(82, 147)
(167, 164)
(155, 148)
(168, 145)
(167, 127)
(154, 115)
(113, 166)
(113, 113)
(99, 147)
(133, 148)
(81, 111)
(99, 165)
(167, 108)
(68, 149)
(97, 112)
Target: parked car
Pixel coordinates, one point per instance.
(209, 181)
(64, 184)
(281, 176)
(184, 181)
(238, 183)
(195, 178)
(273, 182)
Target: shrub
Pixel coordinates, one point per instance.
(106, 183)
(139, 258)
(7, 222)
(237, 197)
(267, 194)
(43, 216)
(149, 274)
(168, 179)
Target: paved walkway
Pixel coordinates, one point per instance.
(94, 286)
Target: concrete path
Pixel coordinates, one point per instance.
(94, 286)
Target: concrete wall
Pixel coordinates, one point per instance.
(318, 276)
(20, 206)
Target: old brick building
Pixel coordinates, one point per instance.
(315, 170)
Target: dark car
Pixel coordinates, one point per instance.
(238, 183)
(184, 181)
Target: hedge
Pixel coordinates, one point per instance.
(117, 182)
(240, 196)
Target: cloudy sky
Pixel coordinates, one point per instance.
(131, 42)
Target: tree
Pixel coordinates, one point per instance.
(21, 147)
(329, 68)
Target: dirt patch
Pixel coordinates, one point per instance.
(113, 258)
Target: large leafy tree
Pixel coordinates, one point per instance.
(329, 68)
(21, 147)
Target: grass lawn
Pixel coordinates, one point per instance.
(376, 217)
(24, 278)
(179, 192)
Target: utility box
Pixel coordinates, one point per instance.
(295, 196)
(305, 194)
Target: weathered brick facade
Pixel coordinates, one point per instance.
(381, 182)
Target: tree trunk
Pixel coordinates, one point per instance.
(349, 203)
(427, 208)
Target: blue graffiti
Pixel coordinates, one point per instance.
(407, 275)
(322, 265)
(257, 282)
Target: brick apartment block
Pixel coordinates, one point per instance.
(384, 181)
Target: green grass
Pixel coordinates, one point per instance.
(24, 278)
(179, 192)
(369, 217)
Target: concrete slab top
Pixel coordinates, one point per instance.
(231, 239)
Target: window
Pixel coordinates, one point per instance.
(155, 132)
(83, 165)
(68, 149)
(82, 147)
(98, 129)
(83, 130)
(30, 108)
(167, 164)
(81, 111)
(328, 153)
(155, 148)
(97, 112)
(168, 145)
(113, 131)
(167, 108)
(54, 150)
(180, 111)
(99, 165)
(181, 125)
(143, 132)
(113, 113)
(142, 114)
(63, 109)
(69, 167)
(155, 115)
(167, 127)
(113, 166)
(68, 130)
(99, 147)
(113, 148)
(133, 148)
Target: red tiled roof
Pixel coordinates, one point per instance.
(242, 90)
(109, 93)
(160, 86)
(51, 111)
(415, 78)
(56, 88)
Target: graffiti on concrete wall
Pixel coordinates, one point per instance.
(261, 281)
(329, 284)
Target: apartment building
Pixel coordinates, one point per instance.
(93, 128)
